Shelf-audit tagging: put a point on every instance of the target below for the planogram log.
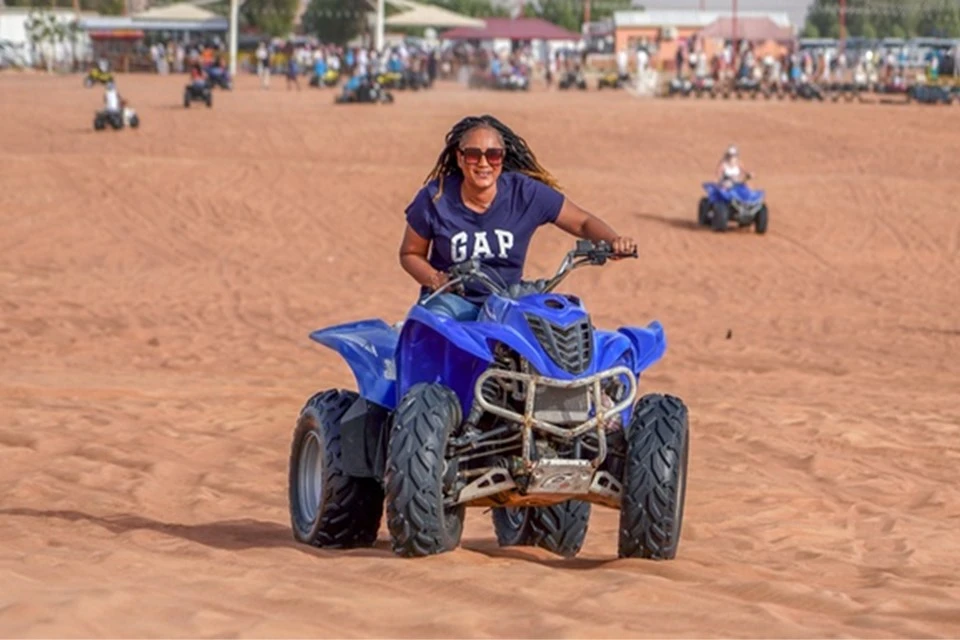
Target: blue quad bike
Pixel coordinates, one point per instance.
(200, 90)
(529, 409)
(738, 204)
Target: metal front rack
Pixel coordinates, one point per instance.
(528, 420)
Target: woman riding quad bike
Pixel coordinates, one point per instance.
(729, 199)
(198, 88)
(116, 112)
(483, 159)
(729, 169)
(494, 391)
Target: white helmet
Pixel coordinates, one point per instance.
(731, 151)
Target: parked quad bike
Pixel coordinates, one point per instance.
(330, 78)
(502, 82)
(529, 409)
(613, 80)
(930, 94)
(367, 93)
(684, 87)
(571, 79)
(403, 80)
(390, 79)
(738, 204)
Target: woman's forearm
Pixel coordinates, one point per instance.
(596, 230)
(421, 270)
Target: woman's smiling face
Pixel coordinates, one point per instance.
(479, 172)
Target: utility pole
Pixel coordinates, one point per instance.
(234, 19)
(735, 47)
(586, 14)
(843, 25)
(379, 35)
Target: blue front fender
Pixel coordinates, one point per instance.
(649, 343)
(613, 348)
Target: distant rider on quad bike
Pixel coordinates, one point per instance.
(197, 74)
(485, 198)
(113, 103)
(730, 171)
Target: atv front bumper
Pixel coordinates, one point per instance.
(552, 480)
(592, 403)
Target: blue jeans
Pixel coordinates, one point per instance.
(454, 306)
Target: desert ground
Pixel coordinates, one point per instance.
(157, 287)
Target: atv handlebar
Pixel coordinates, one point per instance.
(598, 253)
(586, 252)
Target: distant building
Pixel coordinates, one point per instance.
(665, 30)
(16, 47)
(506, 34)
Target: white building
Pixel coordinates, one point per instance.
(17, 49)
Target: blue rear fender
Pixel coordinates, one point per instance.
(368, 346)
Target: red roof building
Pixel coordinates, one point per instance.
(512, 29)
(752, 29)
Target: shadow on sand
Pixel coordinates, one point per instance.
(247, 533)
(676, 223)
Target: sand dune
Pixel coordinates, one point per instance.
(157, 286)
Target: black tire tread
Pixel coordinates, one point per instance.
(560, 528)
(657, 444)
(416, 518)
(352, 508)
(762, 219)
(703, 212)
(721, 216)
(507, 534)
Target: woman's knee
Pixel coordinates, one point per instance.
(453, 306)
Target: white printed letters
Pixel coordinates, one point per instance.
(481, 245)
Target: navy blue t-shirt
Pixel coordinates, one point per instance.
(500, 236)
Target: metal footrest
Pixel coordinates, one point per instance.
(490, 483)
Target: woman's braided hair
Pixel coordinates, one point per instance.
(517, 157)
